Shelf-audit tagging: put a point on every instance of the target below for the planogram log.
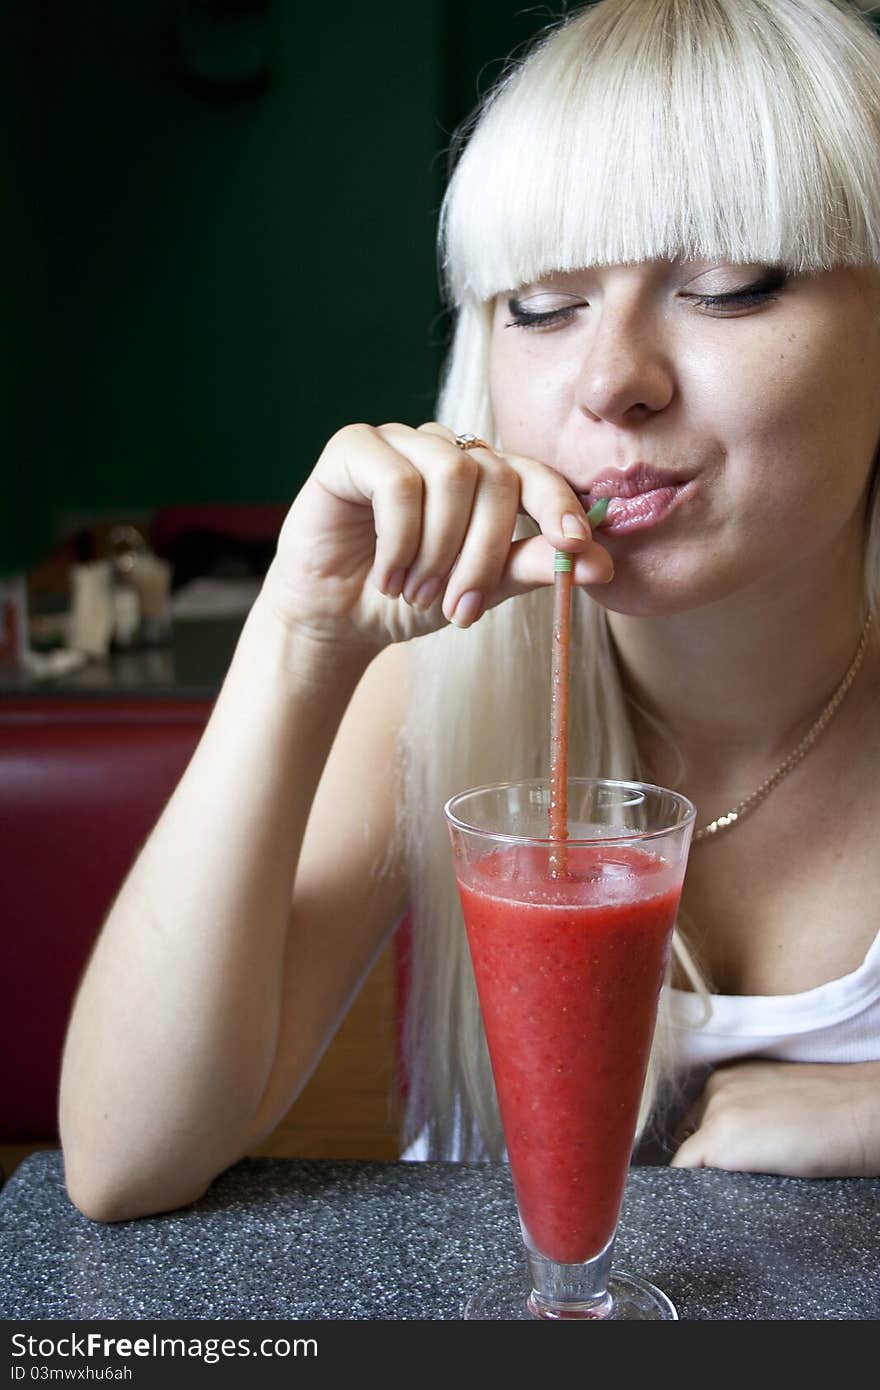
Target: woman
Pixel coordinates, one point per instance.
(662, 242)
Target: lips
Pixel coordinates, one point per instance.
(631, 482)
(640, 497)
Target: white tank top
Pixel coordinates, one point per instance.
(835, 1022)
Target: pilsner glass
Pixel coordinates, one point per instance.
(570, 942)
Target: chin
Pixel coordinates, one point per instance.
(669, 578)
(640, 605)
(657, 593)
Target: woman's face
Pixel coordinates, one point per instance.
(735, 412)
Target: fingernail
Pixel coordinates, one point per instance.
(573, 528)
(395, 583)
(468, 608)
(426, 593)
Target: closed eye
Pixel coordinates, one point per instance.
(763, 291)
(521, 316)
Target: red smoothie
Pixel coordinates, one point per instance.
(568, 971)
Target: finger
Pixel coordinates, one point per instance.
(471, 502)
(544, 495)
(530, 566)
(552, 503)
(487, 544)
(483, 576)
(442, 431)
(450, 477)
(360, 466)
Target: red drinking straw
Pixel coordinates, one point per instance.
(562, 576)
(563, 567)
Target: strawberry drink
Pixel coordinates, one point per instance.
(568, 968)
(568, 973)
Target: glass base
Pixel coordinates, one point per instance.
(509, 1299)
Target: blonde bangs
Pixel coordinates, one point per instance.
(733, 129)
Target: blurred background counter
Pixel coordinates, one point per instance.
(189, 664)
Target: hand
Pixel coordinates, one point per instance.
(797, 1118)
(396, 525)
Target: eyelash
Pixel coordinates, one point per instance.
(738, 299)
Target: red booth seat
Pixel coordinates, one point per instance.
(82, 782)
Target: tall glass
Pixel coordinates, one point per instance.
(569, 942)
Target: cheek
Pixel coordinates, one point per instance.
(529, 397)
(802, 423)
(827, 377)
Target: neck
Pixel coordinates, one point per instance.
(721, 694)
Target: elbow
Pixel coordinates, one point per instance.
(102, 1203)
(106, 1200)
(104, 1207)
(111, 1181)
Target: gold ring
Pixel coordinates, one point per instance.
(471, 441)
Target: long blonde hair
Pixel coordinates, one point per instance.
(637, 129)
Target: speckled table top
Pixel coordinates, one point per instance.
(308, 1239)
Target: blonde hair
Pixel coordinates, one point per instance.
(747, 130)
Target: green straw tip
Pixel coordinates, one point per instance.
(596, 514)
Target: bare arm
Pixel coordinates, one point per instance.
(169, 1067)
(802, 1119)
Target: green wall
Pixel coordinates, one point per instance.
(201, 291)
(24, 340)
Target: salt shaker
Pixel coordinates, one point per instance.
(93, 618)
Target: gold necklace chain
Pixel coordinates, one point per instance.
(745, 808)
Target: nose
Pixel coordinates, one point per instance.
(625, 374)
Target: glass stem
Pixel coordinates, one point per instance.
(570, 1291)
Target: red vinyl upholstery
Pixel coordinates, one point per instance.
(82, 782)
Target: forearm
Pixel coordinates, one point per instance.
(174, 1029)
(803, 1119)
(864, 1143)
